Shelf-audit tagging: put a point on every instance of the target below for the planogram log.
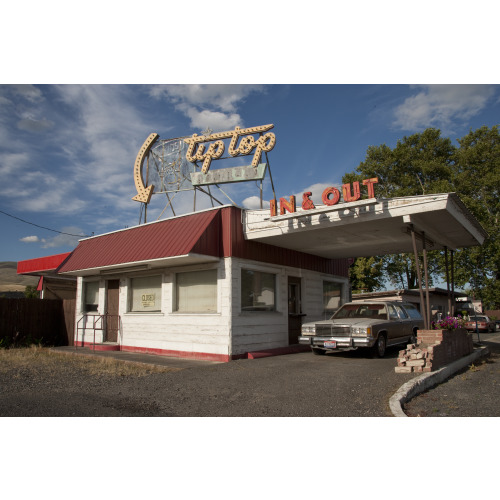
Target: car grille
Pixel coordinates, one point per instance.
(326, 330)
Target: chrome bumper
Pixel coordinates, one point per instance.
(342, 342)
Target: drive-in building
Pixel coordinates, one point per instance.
(221, 283)
(226, 282)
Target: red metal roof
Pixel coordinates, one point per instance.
(41, 264)
(195, 233)
(214, 233)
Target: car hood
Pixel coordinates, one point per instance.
(357, 322)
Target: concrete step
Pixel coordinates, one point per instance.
(107, 346)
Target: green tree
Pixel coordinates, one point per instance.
(366, 275)
(426, 163)
(422, 163)
(30, 292)
(477, 181)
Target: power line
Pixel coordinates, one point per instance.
(43, 227)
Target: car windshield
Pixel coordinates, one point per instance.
(376, 311)
(478, 318)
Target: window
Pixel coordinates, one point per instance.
(412, 311)
(258, 291)
(402, 312)
(196, 292)
(360, 310)
(392, 312)
(91, 296)
(332, 297)
(145, 294)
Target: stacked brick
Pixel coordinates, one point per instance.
(415, 359)
(434, 349)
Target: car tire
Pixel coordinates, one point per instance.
(318, 352)
(413, 338)
(380, 346)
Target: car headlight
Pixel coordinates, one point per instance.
(361, 332)
(308, 330)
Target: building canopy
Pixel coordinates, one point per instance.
(369, 227)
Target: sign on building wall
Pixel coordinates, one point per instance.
(148, 300)
(329, 197)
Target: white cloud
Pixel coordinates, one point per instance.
(99, 143)
(39, 191)
(211, 106)
(29, 92)
(223, 97)
(440, 105)
(31, 124)
(29, 239)
(64, 240)
(253, 203)
(216, 120)
(11, 162)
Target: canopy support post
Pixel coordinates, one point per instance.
(448, 293)
(419, 277)
(452, 283)
(426, 274)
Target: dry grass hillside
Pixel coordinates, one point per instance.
(10, 281)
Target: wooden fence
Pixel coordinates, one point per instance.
(27, 321)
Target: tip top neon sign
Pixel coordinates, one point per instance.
(242, 143)
(216, 149)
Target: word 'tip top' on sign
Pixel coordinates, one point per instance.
(216, 149)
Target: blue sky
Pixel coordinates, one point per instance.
(67, 151)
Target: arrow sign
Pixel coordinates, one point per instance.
(143, 193)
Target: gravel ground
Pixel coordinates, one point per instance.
(298, 385)
(472, 392)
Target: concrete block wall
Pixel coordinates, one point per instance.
(434, 349)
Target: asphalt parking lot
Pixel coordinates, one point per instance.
(296, 385)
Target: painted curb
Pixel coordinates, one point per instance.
(428, 380)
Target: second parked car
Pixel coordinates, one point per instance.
(481, 323)
(369, 324)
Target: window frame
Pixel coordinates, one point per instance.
(85, 308)
(130, 294)
(256, 309)
(176, 295)
(342, 286)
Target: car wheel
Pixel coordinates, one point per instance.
(380, 346)
(318, 352)
(413, 338)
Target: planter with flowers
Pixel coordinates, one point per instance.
(446, 342)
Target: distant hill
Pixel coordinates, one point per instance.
(10, 281)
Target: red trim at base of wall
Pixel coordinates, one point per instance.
(278, 351)
(203, 356)
(98, 347)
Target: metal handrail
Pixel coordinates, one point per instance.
(95, 319)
